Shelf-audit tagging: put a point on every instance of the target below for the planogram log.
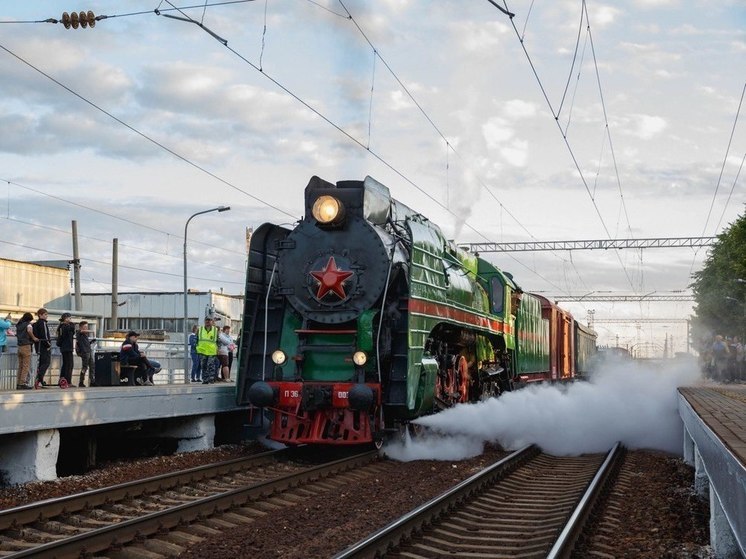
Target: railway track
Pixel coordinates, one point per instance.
(527, 505)
(121, 521)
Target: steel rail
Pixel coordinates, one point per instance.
(100, 539)
(49, 508)
(565, 544)
(389, 536)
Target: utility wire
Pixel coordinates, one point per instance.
(449, 146)
(146, 137)
(108, 241)
(124, 219)
(564, 137)
(341, 130)
(138, 268)
(720, 176)
(725, 159)
(730, 194)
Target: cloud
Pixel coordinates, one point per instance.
(518, 108)
(480, 37)
(603, 16)
(648, 126)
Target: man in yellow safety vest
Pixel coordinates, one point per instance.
(207, 350)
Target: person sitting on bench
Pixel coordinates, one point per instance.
(130, 354)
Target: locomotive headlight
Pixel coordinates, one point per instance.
(327, 210)
(278, 357)
(359, 358)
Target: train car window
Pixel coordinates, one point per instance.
(497, 291)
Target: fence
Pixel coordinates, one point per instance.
(169, 354)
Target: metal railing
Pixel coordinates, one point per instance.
(169, 354)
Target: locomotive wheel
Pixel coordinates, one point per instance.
(447, 386)
(462, 379)
(410, 431)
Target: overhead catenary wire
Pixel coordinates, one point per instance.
(355, 140)
(448, 145)
(160, 11)
(108, 241)
(113, 216)
(148, 138)
(720, 176)
(564, 136)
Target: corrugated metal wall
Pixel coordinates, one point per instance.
(25, 286)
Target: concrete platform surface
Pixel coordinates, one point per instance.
(715, 444)
(53, 408)
(723, 409)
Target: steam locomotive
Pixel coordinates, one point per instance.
(364, 317)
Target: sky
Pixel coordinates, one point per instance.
(619, 120)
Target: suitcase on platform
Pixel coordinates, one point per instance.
(105, 368)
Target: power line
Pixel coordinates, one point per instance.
(720, 176)
(114, 216)
(725, 159)
(342, 131)
(108, 241)
(146, 137)
(564, 136)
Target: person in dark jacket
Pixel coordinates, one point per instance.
(83, 349)
(24, 337)
(42, 345)
(130, 354)
(66, 343)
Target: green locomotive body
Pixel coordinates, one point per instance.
(364, 316)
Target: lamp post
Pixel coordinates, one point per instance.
(186, 310)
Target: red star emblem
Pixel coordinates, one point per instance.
(331, 278)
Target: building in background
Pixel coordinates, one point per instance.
(27, 286)
(164, 311)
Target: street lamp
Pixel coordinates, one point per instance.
(186, 310)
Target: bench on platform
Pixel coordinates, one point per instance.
(126, 372)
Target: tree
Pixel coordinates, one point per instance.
(720, 286)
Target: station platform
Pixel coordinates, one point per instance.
(33, 410)
(37, 426)
(715, 444)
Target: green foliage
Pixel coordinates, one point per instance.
(720, 298)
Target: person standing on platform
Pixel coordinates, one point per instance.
(231, 348)
(5, 324)
(224, 343)
(196, 371)
(719, 359)
(207, 349)
(43, 346)
(83, 349)
(66, 342)
(25, 338)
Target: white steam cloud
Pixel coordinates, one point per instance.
(628, 402)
